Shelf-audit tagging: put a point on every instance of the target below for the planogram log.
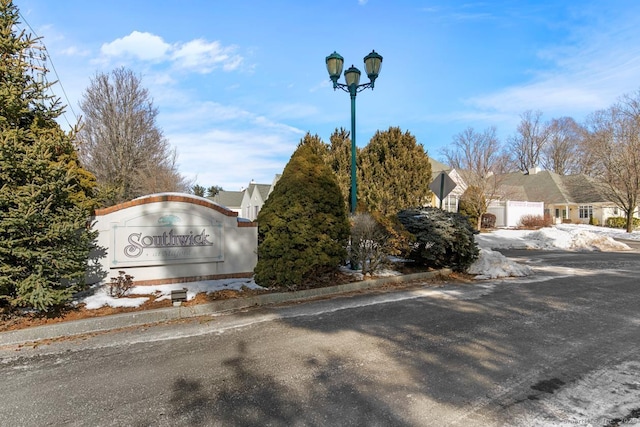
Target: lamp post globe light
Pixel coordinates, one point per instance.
(372, 63)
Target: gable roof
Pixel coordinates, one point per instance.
(262, 189)
(437, 166)
(585, 189)
(551, 188)
(230, 199)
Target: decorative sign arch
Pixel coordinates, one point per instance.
(175, 237)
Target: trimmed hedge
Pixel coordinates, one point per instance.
(442, 239)
(621, 222)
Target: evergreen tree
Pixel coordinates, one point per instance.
(45, 196)
(394, 172)
(303, 227)
(198, 190)
(339, 158)
(213, 190)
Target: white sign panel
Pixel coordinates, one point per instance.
(167, 238)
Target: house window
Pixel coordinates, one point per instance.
(585, 211)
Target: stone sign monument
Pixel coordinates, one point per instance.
(171, 238)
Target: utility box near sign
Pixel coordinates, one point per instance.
(172, 238)
(178, 295)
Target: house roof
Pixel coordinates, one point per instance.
(262, 189)
(436, 166)
(230, 199)
(551, 188)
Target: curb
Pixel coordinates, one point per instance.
(138, 318)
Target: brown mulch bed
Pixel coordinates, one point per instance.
(9, 322)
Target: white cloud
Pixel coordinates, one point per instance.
(294, 111)
(550, 96)
(231, 158)
(197, 55)
(585, 73)
(75, 51)
(198, 114)
(143, 46)
(231, 145)
(203, 57)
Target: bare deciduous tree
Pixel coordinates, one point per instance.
(562, 153)
(479, 160)
(614, 135)
(120, 141)
(527, 144)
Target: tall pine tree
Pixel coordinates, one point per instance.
(339, 158)
(303, 227)
(394, 173)
(45, 195)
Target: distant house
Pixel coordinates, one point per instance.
(231, 200)
(253, 199)
(248, 201)
(569, 198)
(451, 202)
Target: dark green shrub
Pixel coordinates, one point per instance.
(443, 239)
(303, 228)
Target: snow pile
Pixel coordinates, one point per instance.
(577, 238)
(586, 240)
(574, 239)
(550, 238)
(492, 265)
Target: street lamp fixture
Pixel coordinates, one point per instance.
(372, 64)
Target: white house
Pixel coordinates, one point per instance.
(568, 198)
(248, 201)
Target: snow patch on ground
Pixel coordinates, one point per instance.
(564, 237)
(101, 298)
(571, 237)
(614, 391)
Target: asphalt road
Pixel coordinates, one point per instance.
(561, 347)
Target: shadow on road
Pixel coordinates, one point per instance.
(249, 398)
(479, 360)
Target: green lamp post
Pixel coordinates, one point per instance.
(372, 63)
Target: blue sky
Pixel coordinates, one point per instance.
(239, 83)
